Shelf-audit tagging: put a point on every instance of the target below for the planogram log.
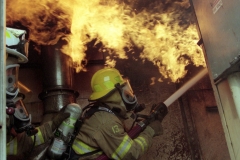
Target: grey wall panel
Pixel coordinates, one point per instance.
(219, 22)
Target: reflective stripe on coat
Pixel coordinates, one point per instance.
(105, 131)
(22, 143)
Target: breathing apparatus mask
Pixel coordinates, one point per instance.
(128, 98)
(20, 120)
(12, 90)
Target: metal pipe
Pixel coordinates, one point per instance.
(57, 78)
(185, 87)
(3, 132)
(57, 67)
(57, 85)
(234, 84)
(55, 100)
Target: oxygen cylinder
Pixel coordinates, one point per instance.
(63, 133)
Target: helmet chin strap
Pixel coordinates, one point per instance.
(130, 105)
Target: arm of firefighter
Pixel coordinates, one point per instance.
(117, 144)
(23, 143)
(47, 129)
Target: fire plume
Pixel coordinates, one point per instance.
(157, 30)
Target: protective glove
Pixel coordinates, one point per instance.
(157, 127)
(162, 112)
(47, 129)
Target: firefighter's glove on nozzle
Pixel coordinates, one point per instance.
(47, 129)
(158, 112)
(157, 127)
(162, 111)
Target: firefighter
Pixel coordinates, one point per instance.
(103, 128)
(22, 136)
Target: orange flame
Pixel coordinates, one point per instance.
(117, 26)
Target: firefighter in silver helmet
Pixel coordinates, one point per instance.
(103, 128)
(21, 134)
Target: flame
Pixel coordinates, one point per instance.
(118, 25)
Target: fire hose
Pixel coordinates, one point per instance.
(159, 111)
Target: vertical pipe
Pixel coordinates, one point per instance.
(2, 81)
(57, 78)
(57, 72)
(234, 84)
(57, 67)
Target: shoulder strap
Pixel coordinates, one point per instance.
(94, 109)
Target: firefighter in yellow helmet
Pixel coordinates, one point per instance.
(103, 128)
(22, 136)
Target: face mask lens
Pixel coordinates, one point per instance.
(12, 79)
(128, 93)
(21, 111)
(21, 117)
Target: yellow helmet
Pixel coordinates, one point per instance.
(103, 82)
